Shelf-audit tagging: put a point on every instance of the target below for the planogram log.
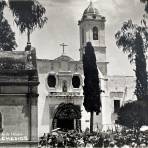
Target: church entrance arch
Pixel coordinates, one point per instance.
(67, 117)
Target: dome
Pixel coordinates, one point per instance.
(90, 10)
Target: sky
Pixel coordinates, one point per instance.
(62, 27)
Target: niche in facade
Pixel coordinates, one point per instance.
(76, 82)
(51, 81)
(64, 86)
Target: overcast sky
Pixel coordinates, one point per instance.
(62, 26)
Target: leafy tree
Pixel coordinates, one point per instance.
(133, 115)
(7, 36)
(134, 41)
(92, 102)
(28, 15)
(146, 5)
(2, 6)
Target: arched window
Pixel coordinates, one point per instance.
(95, 33)
(51, 81)
(76, 82)
(64, 86)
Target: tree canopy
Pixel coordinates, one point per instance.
(28, 14)
(146, 5)
(2, 5)
(133, 39)
(7, 36)
(133, 115)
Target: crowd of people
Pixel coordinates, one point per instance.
(125, 138)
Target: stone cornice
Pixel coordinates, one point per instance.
(23, 94)
(11, 72)
(12, 83)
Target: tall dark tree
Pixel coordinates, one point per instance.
(134, 41)
(92, 102)
(141, 73)
(28, 15)
(7, 36)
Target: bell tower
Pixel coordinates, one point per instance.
(92, 29)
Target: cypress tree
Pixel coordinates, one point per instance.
(91, 89)
(141, 73)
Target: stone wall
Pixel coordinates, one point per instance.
(18, 99)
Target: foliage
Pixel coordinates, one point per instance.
(133, 115)
(134, 41)
(7, 36)
(91, 87)
(29, 14)
(141, 73)
(146, 5)
(2, 5)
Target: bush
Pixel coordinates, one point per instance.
(133, 115)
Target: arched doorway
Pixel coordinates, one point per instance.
(67, 116)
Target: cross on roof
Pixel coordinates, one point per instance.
(63, 45)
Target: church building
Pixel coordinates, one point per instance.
(60, 103)
(40, 95)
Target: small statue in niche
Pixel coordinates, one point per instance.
(64, 86)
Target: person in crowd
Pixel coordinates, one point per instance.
(123, 139)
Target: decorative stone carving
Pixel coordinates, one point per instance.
(68, 111)
(22, 60)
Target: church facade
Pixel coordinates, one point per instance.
(60, 103)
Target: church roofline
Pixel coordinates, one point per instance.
(49, 60)
(63, 58)
(101, 18)
(121, 76)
